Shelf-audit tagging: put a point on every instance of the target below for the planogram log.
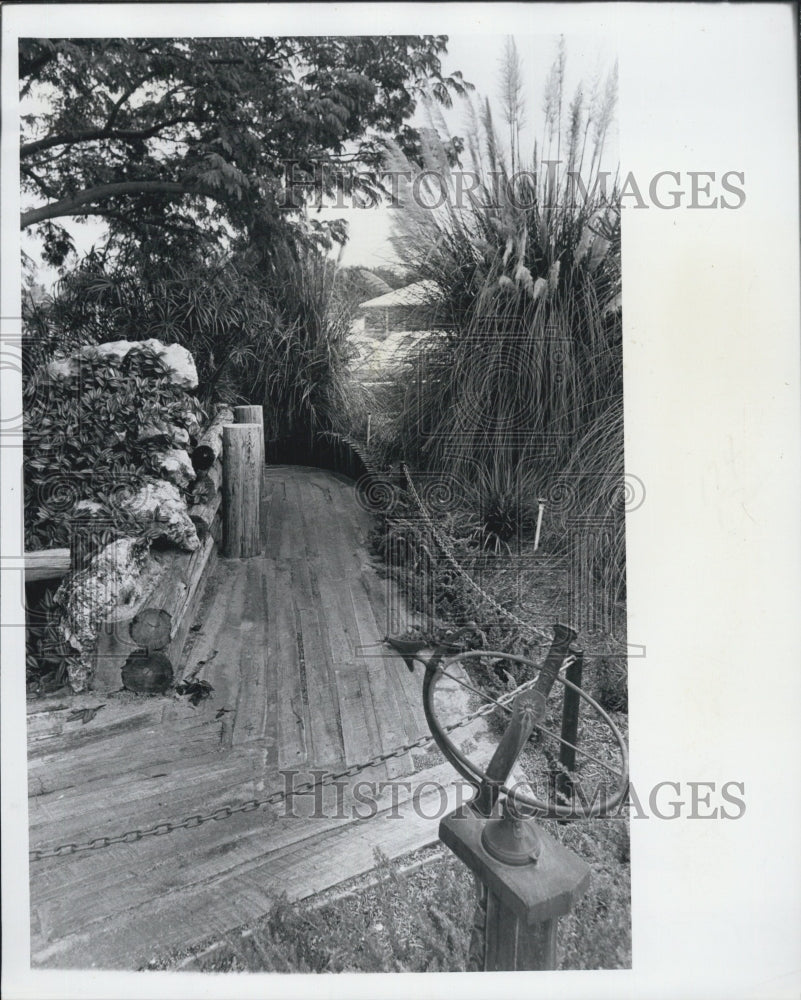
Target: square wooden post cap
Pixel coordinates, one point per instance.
(536, 892)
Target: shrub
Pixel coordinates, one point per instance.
(81, 437)
(267, 331)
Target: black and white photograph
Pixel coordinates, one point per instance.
(400, 461)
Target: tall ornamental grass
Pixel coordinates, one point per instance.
(520, 384)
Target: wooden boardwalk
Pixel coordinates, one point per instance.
(291, 642)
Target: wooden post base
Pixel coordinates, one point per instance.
(523, 902)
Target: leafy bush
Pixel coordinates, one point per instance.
(47, 653)
(267, 331)
(82, 437)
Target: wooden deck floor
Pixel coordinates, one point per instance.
(291, 642)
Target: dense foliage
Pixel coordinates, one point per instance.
(83, 438)
(260, 332)
(177, 141)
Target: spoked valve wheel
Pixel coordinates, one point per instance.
(525, 710)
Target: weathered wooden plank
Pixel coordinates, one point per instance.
(46, 564)
(267, 487)
(118, 754)
(278, 513)
(212, 651)
(328, 648)
(282, 652)
(397, 721)
(293, 542)
(389, 718)
(196, 584)
(252, 719)
(175, 788)
(249, 834)
(53, 732)
(327, 748)
(200, 905)
(359, 728)
(407, 686)
(82, 814)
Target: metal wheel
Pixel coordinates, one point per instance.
(524, 802)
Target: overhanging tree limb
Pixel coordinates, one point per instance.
(67, 206)
(92, 135)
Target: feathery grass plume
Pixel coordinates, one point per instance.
(607, 102)
(513, 103)
(576, 113)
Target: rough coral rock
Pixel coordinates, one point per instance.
(176, 466)
(159, 506)
(156, 509)
(177, 360)
(111, 587)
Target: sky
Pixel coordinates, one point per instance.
(478, 57)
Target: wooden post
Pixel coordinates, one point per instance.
(523, 902)
(251, 415)
(570, 721)
(242, 465)
(46, 564)
(208, 448)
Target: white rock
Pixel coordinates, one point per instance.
(113, 350)
(87, 508)
(111, 587)
(158, 504)
(157, 508)
(62, 369)
(150, 429)
(178, 360)
(176, 466)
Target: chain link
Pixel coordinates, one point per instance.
(274, 798)
(448, 552)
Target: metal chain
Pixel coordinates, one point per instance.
(444, 545)
(250, 805)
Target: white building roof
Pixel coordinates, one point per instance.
(410, 295)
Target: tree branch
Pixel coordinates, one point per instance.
(126, 94)
(127, 135)
(67, 206)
